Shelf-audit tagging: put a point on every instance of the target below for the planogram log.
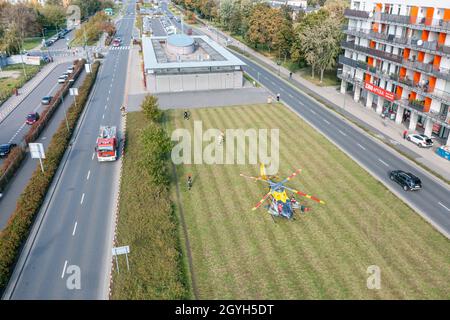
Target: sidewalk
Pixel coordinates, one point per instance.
(388, 131)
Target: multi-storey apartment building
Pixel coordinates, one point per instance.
(397, 61)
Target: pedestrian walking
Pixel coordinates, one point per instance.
(189, 182)
(290, 75)
(405, 133)
(278, 97)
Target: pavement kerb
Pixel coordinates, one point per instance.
(349, 122)
(42, 214)
(117, 211)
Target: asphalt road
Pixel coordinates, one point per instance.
(13, 127)
(75, 232)
(433, 200)
(23, 175)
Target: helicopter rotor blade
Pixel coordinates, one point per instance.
(261, 201)
(306, 195)
(292, 176)
(254, 178)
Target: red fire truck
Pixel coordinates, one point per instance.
(107, 144)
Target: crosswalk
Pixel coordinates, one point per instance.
(120, 48)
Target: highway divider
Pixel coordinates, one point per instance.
(14, 160)
(31, 199)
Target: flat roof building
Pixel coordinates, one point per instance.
(188, 63)
(397, 61)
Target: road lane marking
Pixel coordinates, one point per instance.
(312, 111)
(82, 199)
(93, 155)
(383, 162)
(290, 95)
(361, 147)
(107, 99)
(343, 133)
(103, 116)
(74, 228)
(326, 121)
(88, 175)
(444, 207)
(106, 107)
(64, 270)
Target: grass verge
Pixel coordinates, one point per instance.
(7, 84)
(148, 223)
(324, 254)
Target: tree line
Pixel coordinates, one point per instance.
(28, 19)
(312, 39)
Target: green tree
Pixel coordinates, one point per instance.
(329, 36)
(150, 108)
(11, 41)
(225, 13)
(52, 16)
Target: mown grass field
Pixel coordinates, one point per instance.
(324, 254)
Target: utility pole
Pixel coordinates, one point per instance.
(85, 43)
(21, 57)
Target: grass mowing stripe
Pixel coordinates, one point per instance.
(319, 282)
(198, 200)
(320, 225)
(234, 201)
(180, 172)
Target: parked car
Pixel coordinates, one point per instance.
(420, 139)
(6, 148)
(70, 69)
(63, 78)
(407, 180)
(32, 118)
(46, 100)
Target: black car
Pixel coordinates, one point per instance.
(6, 148)
(407, 180)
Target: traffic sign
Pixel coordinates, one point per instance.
(73, 91)
(37, 150)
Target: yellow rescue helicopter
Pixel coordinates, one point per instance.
(280, 205)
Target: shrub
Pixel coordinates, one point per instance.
(156, 146)
(30, 201)
(150, 108)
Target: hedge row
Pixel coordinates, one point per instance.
(31, 199)
(17, 155)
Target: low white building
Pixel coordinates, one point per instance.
(189, 63)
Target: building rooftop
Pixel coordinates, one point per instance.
(159, 54)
